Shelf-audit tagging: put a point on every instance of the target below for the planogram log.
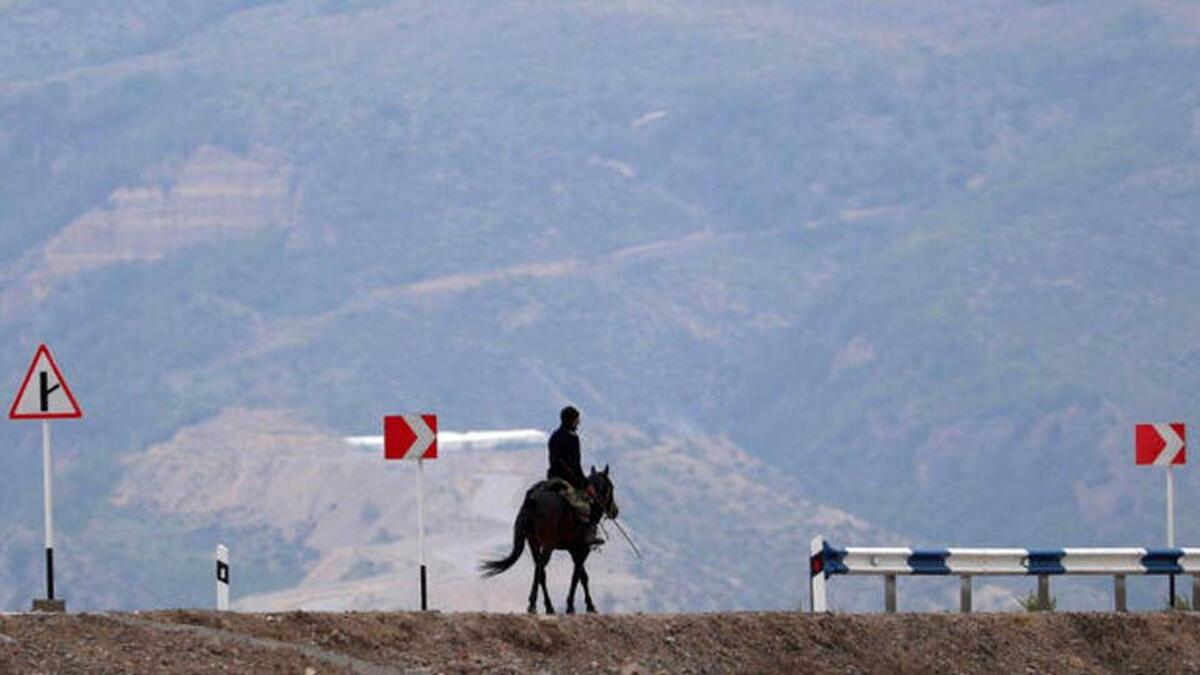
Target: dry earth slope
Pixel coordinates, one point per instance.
(295, 642)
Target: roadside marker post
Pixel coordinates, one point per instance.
(413, 437)
(222, 578)
(49, 399)
(421, 530)
(1163, 445)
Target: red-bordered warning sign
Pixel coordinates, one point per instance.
(44, 394)
(410, 437)
(1160, 444)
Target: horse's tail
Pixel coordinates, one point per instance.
(491, 568)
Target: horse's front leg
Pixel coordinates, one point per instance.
(546, 593)
(574, 582)
(583, 577)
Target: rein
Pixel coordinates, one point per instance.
(600, 521)
(631, 544)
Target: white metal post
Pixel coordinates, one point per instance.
(48, 499)
(816, 581)
(1171, 529)
(1170, 507)
(222, 578)
(421, 527)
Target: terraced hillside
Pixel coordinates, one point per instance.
(911, 268)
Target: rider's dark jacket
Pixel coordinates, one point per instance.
(564, 458)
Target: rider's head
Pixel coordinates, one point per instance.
(569, 417)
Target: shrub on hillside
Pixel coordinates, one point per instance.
(1032, 603)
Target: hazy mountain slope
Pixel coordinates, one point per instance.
(926, 263)
(691, 502)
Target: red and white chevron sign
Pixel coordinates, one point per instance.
(1159, 444)
(410, 437)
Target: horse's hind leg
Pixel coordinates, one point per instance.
(583, 577)
(537, 570)
(542, 562)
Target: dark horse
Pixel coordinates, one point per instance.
(549, 524)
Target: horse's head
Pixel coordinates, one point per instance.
(604, 491)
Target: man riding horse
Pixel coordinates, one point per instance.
(560, 514)
(565, 474)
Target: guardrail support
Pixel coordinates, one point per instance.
(817, 601)
(967, 563)
(889, 593)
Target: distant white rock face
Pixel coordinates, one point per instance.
(713, 532)
(858, 352)
(648, 118)
(213, 194)
(358, 512)
(623, 169)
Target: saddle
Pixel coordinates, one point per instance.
(576, 499)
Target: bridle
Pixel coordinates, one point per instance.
(604, 494)
(608, 507)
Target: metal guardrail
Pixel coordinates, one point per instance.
(826, 561)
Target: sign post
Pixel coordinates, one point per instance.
(49, 399)
(1170, 507)
(413, 437)
(421, 528)
(1171, 528)
(1163, 445)
(48, 507)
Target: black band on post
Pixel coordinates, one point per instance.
(49, 574)
(424, 605)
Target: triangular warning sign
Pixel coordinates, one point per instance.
(44, 394)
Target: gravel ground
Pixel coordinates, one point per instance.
(374, 642)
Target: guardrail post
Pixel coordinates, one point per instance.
(889, 593)
(816, 576)
(965, 593)
(1044, 590)
(1119, 593)
(1196, 593)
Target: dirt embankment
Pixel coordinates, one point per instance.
(301, 642)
